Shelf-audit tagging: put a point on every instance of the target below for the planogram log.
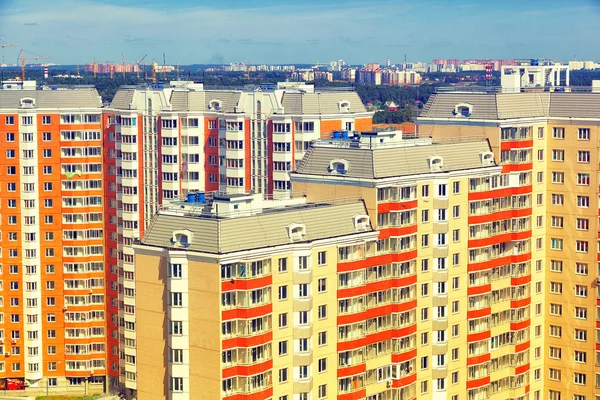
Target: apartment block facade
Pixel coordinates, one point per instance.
(236, 299)
(164, 142)
(52, 276)
(445, 209)
(553, 138)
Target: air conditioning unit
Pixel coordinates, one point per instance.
(388, 384)
(13, 341)
(6, 354)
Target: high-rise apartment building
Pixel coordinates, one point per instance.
(376, 317)
(548, 139)
(237, 298)
(162, 143)
(445, 209)
(52, 275)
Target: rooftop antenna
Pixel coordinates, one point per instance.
(123, 65)
(164, 67)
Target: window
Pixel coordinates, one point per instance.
(283, 320)
(322, 311)
(581, 335)
(425, 240)
(556, 222)
(322, 365)
(583, 156)
(456, 187)
(583, 224)
(322, 338)
(283, 375)
(583, 179)
(424, 339)
(540, 155)
(540, 177)
(581, 268)
(583, 201)
(425, 191)
(442, 190)
(579, 378)
(322, 285)
(425, 265)
(583, 134)
(283, 348)
(424, 289)
(554, 374)
(47, 153)
(282, 265)
(456, 235)
(581, 246)
(580, 356)
(581, 312)
(555, 309)
(424, 314)
(555, 331)
(558, 133)
(424, 362)
(176, 384)
(558, 155)
(555, 352)
(556, 244)
(556, 265)
(558, 177)
(322, 258)
(425, 216)
(424, 387)
(322, 391)
(283, 292)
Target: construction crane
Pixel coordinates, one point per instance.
(123, 65)
(2, 66)
(164, 67)
(138, 66)
(23, 58)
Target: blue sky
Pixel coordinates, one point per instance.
(264, 31)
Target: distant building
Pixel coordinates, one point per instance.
(579, 65)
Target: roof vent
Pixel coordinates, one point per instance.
(463, 110)
(486, 157)
(436, 163)
(296, 232)
(182, 238)
(27, 102)
(338, 166)
(361, 223)
(214, 105)
(344, 106)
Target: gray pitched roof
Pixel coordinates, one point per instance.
(441, 105)
(515, 105)
(320, 102)
(212, 235)
(393, 161)
(575, 105)
(67, 99)
(123, 98)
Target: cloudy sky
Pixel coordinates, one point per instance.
(285, 31)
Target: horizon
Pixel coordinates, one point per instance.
(263, 32)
